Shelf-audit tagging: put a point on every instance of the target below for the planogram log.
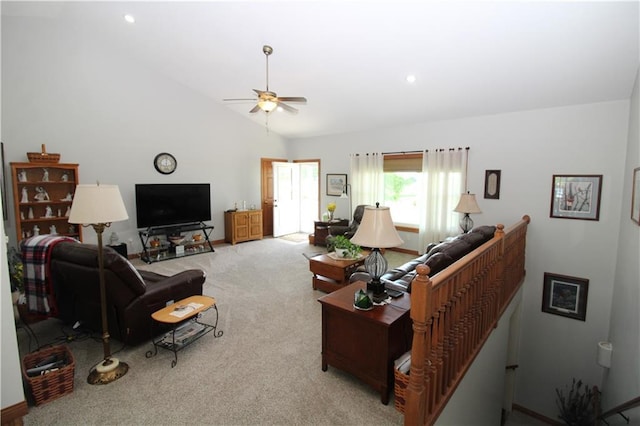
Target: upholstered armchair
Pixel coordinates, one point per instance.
(349, 230)
(132, 295)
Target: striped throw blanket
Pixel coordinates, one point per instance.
(37, 278)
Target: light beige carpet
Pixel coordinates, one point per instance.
(265, 369)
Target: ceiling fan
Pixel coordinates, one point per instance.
(268, 100)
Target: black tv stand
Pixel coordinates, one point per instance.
(156, 249)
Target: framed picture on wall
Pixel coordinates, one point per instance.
(565, 296)
(336, 184)
(492, 184)
(576, 196)
(635, 196)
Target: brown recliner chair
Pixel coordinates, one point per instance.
(132, 295)
(349, 230)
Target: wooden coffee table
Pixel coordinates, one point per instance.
(330, 274)
(365, 343)
(189, 311)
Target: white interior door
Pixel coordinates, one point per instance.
(286, 198)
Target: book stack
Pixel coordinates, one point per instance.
(183, 334)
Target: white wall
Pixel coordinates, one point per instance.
(529, 147)
(622, 381)
(112, 116)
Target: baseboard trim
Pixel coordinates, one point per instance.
(12, 416)
(535, 415)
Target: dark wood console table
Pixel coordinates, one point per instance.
(321, 230)
(365, 343)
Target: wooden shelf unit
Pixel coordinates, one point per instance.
(56, 186)
(242, 225)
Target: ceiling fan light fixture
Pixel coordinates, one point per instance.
(267, 105)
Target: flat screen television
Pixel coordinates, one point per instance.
(165, 204)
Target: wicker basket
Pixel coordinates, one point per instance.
(55, 384)
(43, 157)
(399, 389)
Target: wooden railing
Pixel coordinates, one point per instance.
(453, 315)
(632, 403)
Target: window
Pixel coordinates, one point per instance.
(401, 191)
(402, 183)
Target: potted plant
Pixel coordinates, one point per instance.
(345, 248)
(16, 280)
(579, 406)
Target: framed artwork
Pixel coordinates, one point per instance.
(635, 196)
(565, 296)
(492, 184)
(576, 196)
(336, 184)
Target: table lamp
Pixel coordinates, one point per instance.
(376, 231)
(467, 205)
(98, 206)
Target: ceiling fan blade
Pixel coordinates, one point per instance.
(255, 109)
(240, 99)
(288, 108)
(293, 99)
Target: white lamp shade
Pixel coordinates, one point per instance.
(376, 229)
(94, 204)
(267, 105)
(467, 204)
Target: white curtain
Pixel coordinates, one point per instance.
(367, 179)
(443, 180)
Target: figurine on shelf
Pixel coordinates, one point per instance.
(65, 177)
(30, 216)
(22, 176)
(66, 214)
(21, 215)
(59, 213)
(53, 230)
(41, 194)
(36, 230)
(25, 195)
(48, 212)
(69, 197)
(45, 175)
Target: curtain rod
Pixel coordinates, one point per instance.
(420, 151)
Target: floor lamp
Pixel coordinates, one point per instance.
(98, 206)
(346, 194)
(376, 231)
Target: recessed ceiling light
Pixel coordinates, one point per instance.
(411, 78)
(130, 19)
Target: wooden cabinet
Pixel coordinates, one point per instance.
(365, 343)
(245, 225)
(321, 230)
(42, 197)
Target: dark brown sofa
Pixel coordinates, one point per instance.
(437, 257)
(132, 296)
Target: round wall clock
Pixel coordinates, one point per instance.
(165, 163)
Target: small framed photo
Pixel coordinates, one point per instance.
(492, 184)
(576, 196)
(635, 197)
(336, 184)
(565, 296)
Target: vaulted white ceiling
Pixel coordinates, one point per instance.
(350, 59)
